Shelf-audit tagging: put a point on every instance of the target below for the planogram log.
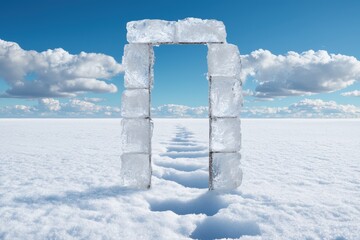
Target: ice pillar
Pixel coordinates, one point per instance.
(136, 125)
(225, 101)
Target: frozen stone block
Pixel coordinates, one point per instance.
(138, 61)
(136, 170)
(150, 31)
(225, 135)
(226, 171)
(135, 135)
(225, 97)
(135, 103)
(223, 60)
(195, 30)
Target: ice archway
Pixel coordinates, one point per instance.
(225, 98)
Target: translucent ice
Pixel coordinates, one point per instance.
(150, 31)
(225, 97)
(225, 135)
(194, 30)
(135, 135)
(189, 30)
(138, 62)
(135, 103)
(223, 60)
(135, 170)
(226, 171)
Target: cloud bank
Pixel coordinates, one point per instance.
(355, 93)
(49, 107)
(179, 111)
(307, 108)
(296, 74)
(57, 73)
(54, 73)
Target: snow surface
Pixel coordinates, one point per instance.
(59, 179)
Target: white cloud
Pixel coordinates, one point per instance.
(17, 111)
(93, 100)
(57, 73)
(77, 107)
(260, 96)
(173, 110)
(54, 73)
(355, 93)
(307, 108)
(306, 73)
(49, 104)
(22, 108)
(49, 107)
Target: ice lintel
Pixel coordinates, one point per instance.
(183, 43)
(186, 31)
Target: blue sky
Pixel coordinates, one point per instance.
(276, 26)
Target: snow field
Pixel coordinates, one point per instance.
(60, 179)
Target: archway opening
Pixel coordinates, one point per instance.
(179, 102)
